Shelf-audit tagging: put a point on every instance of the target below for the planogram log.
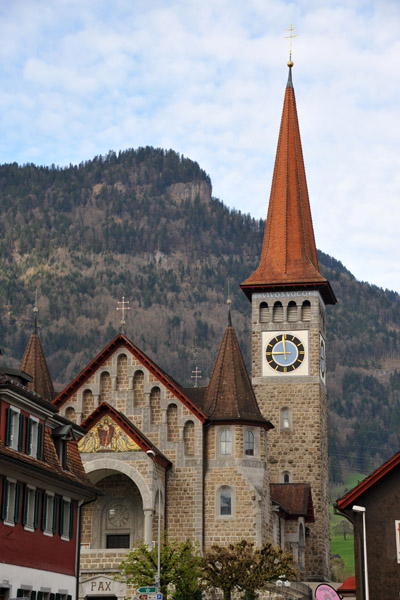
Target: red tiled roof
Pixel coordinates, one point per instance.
(294, 498)
(289, 255)
(34, 363)
(351, 496)
(50, 465)
(117, 342)
(348, 585)
(230, 395)
(130, 429)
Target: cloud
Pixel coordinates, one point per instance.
(207, 79)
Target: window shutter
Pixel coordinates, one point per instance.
(4, 499)
(20, 593)
(61, 519)
(37, 509)
(33, 595)
(9, 426)
(25, 506)
(40, 596)
(28, 443)
(40, 442)
(55, 513)
(17, 502)
(52, 597)
(71, 520)
(21, 432)
(44, 511)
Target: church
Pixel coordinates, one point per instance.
(241, 458)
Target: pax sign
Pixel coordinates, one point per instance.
(100, 586)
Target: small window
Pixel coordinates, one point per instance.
(285, 419)
(226, 442)
(49, 513)
(306, 311)
(32, 436)
(249, 443)
(30, 508)
(66, 519)
(277, 312)
(264, 312)
(15, 428)
(292, 312)
(225, 502)
(285, 477)
(118, 541)
(11, 498)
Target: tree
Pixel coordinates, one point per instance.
(343, 528)
(180, 565)
(240, 566)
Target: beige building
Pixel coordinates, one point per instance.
(211, 471)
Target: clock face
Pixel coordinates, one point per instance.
(285, 353)
(118, 515)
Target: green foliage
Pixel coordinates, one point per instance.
(180, 567)
(243, 567)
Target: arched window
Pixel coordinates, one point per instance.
(172, 423)
(306, 311)
(155, 405)
(277, 315)
(188, 438)
(87, 403)
(105, 386)
(225, 442)
(292, 312)
(264, 312)
(286, 418)
(285, 477)
(138, 389)
(70, 414)
(225, 501)
(122, 373)
(249, 443)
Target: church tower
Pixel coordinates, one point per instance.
(288, 296)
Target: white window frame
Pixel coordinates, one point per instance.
(14, 435)
(48, 526)
(66, 522)
(32, 443)
(30, 509)
(11, 492)
(225, 445)
(286, 418)
(248, 433)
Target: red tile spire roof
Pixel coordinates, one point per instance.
(289, 255)
(34, 363)
(229, 395)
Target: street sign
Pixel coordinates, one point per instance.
(147, 590)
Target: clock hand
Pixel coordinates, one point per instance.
(284, 346)
(282, 353)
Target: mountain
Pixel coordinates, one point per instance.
(143, 224)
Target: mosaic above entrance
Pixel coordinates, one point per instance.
(107, 436)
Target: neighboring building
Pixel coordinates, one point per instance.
(379, 495)
(42, 487)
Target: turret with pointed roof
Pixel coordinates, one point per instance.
(34, 363)
(230, 396)
(289, 256)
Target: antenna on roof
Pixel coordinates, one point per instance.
(35, 311)
(123, 308)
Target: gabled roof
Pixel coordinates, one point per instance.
(289, 256)
(130, 429)
(350, 497)
(294, 498)
(230, 395)
(121, 341)
(34, 363)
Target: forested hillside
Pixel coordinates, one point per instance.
(143, 224)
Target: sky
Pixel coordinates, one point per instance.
(207, 78)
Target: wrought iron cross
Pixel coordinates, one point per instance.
(290, 37)
(196, 375)
(124, 307)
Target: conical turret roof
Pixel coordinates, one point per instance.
(229, 395)
(289, 255)
(34, 363)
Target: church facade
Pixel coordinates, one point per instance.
(242, 458)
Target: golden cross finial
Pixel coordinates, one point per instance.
(290, 37)
(124, 307)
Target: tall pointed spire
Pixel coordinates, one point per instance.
(34, 363)
(289, 255)
(229, 395)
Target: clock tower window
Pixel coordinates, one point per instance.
(292, 312)
(286, 418)
(277, 315)
(264, 312)
(306, 311)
